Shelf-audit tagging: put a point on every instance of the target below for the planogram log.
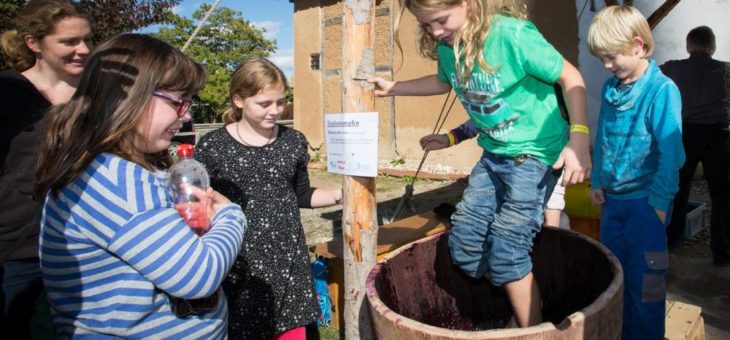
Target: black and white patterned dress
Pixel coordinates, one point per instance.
(269, 288)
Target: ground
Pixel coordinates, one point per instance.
(692, 277)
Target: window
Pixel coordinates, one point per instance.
(314, 61)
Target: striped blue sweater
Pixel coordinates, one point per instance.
(112, 245)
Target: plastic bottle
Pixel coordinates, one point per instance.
(187, 176)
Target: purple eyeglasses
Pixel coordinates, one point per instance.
(183, 105)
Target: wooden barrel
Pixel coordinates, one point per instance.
(417, 293)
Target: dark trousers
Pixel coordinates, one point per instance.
(21, 286)
(709, 144)
(633, 232)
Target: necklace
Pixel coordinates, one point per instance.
(271, 138)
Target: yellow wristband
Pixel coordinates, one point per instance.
(451, 139)
(579, 128)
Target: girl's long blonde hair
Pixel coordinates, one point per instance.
(251, 77)
(469, 40)
(111, 101)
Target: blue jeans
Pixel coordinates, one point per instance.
(632, 230)
(499, 215)
(21, 286)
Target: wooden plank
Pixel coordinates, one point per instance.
(393, 235)
(668, 305)
(698, 330)
(684, 321)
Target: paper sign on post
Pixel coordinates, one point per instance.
(352, 143)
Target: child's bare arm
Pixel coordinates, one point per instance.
(434, 142)
(425, 86)
(575, 157)
(326, 197)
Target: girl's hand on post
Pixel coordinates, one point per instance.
(382, 86)
(434, 142)
(597, 197)
(337, 196)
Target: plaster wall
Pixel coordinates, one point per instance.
(308, 86)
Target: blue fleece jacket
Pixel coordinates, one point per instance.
(638, 150)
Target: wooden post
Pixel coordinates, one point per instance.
(661, 12)
(359, 220)
(655, 18)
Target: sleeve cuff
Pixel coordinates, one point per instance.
(595, 184)
(230, 207)
(659, 203)
(305, 199)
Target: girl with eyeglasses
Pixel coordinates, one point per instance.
(114, 250)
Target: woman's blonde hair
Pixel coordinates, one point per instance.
(37, 19)
(469, 40)
(614, 28)
(251, 77)
(111, 101)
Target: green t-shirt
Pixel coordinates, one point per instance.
(514, 108)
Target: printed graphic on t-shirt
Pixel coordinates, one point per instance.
(491, 116)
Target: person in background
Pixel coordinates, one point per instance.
(637, 156)
(704, 84)
(262, 166)
(502, 70)
(113, 248)
(47, 52)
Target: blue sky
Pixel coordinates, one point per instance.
(276, 16)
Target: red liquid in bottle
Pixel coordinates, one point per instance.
(195, 215)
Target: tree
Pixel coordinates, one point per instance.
(221, 44)
(8, 8)
(111, 17)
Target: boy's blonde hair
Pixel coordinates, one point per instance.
(614, 28)
(470, 39)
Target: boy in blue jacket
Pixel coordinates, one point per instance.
(637, 157)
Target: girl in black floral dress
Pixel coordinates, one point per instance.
(262, 166)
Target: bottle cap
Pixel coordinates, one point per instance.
(185, 150)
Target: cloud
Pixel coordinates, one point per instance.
(271, 28)
(285, 60)
(178, 9)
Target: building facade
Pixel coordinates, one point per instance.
(403, 120)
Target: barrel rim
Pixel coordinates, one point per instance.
(614, 288)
